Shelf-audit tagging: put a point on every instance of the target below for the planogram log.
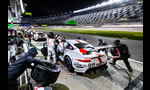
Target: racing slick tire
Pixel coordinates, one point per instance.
(44, 51)
(45, 75)
(68, 63)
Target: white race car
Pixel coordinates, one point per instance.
(39, 36)
(80, 56)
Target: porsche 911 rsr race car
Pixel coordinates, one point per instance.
(80, 56)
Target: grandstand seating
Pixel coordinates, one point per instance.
(109, 15)
(116, 13)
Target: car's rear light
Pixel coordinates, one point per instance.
(84, 60)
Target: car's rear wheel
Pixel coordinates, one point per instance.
(68, 63)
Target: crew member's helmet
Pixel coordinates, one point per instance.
(63, 39)
(116, 42)
(51, 35)
(57, 37)
(102, 42)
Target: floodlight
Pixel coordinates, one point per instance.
(100, 5)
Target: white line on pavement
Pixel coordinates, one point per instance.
(133, 60)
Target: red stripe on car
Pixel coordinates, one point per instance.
(78, 41)
(100, 60)
(84, 60)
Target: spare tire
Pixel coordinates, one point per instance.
(44, 51)
(45, 74)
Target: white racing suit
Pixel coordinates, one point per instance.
(51, 50)
(61, 47)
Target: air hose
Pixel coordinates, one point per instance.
(128, 76)
(33, 45)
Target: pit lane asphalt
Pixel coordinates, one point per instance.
(135, 46)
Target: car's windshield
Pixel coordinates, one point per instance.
(83, 45)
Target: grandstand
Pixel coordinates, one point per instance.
(47, 19)
(123, 14)
(127, 12)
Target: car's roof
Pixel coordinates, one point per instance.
(75, 41)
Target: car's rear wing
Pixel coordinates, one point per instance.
(103, 47)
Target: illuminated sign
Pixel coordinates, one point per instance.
(71, 22)
(28, 13)
(44, 25)
(10, 25)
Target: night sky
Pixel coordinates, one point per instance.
(51, 7)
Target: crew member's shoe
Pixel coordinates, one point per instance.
(111, 62)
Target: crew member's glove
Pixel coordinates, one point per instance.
(33, 60)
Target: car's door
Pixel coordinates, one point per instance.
(69, 48)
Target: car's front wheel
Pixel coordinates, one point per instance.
(68, 63)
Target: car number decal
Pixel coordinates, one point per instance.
(91, 65)
(95, 60)
(94, 63)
